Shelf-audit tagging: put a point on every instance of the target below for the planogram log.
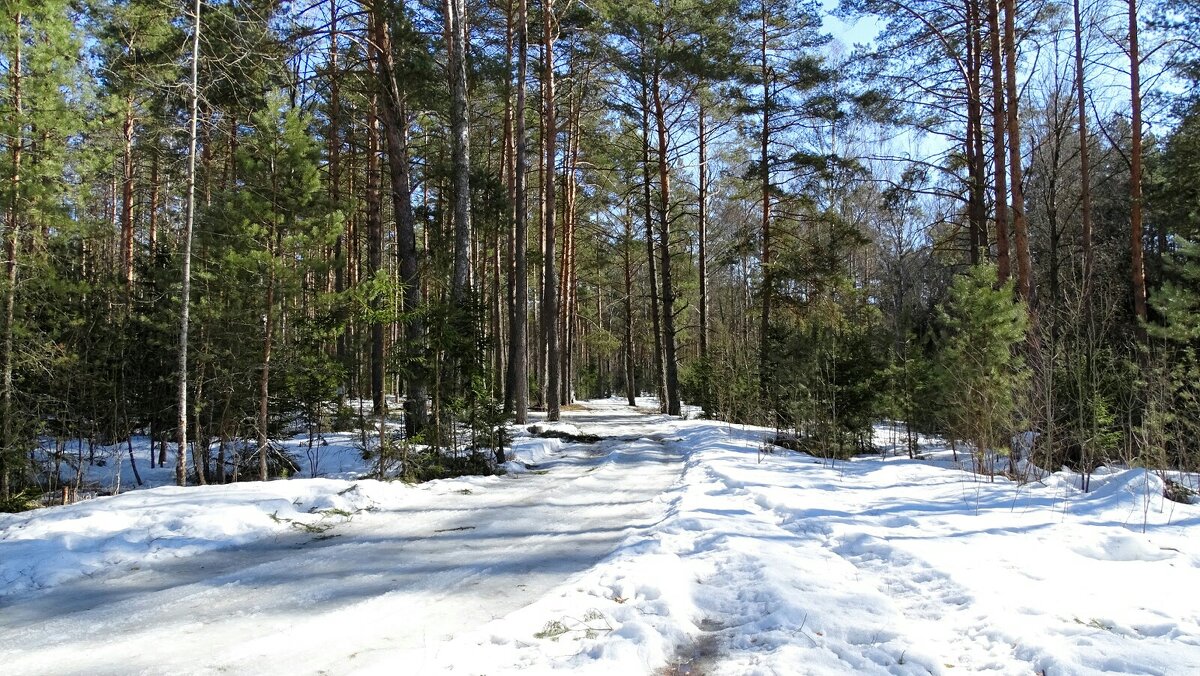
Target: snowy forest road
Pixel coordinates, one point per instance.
(401, 580)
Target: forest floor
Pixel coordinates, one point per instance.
(668, 547)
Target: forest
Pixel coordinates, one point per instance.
(229, 220)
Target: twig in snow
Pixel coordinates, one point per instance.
(805, 634)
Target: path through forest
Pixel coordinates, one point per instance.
(669, 546)
(389, 580)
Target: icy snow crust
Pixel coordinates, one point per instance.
(666, 547)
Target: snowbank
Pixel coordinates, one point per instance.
(879, 565)
(107, 535)
(796, 565)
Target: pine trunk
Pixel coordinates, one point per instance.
(630, 374)
(127, 199)
(189, 223)
(456, 32)
(264, 379)
(764, 168)
(702, 224)
(670, 362)
(1137, 255)
(660, 379)
(395, 127)
(13, 250)
(517, 335)
(549, 279)
(1003, 266)
(1019, 223)
(1085, 169)
(374, 252)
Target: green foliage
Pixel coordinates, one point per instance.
(979, 366)
(1178, 301)
(909, 392)
(1173, 420)
(696, 384)
(21, 501)
(1176, 192)
(825, 356)
(427, 464)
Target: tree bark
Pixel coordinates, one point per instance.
(651, 267)
(335, 171)
(1085, 169)
(567, 295)
(374, 252)
(127, 199)
(189, 222)
(1137, 255)
(13, 249)
(702, 225)
(976, 163)
(517, 335)
(549, 279)
(630, 374)
(510, 170)
(395, 126)
(1020, 225)
(264, 379)
(1003, 270)
(152, 228)
(460, 151)
(670, 363)
(765, 195)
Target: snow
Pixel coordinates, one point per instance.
(551, 429)
(665, 547)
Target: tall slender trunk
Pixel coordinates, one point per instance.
(374, 251)
(335, 169)
(1085, 168)
(1020, 225)
(549, 279)
(127, 199)
(768, 291)
(201, 456)
(520, 318)
(630, 376)
(660, 379)
(229, 177)
(1003, 270)
(152, 228)
(702, 225)
(350, 260)
(264, 378)
(460, 151)
(567, 294)
(189, 222)
(13, 250)
(510, 171)
(670, 362)
(395, 127)
(206, 154)
(1137, 255)
(540, 343)
(976, 163)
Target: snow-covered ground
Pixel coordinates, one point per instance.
(666, 547)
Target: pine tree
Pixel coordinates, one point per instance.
(42, 53)
(1178, 302)
(267, 231)
(980, 369)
